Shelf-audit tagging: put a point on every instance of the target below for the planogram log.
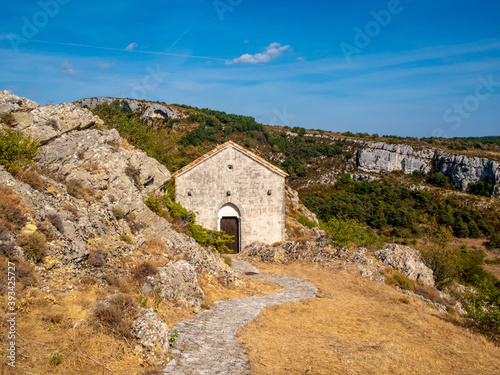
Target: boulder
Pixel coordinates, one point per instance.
(152, 336)
(45, 123)
(407, 261)
(13, 103)
(178, 282)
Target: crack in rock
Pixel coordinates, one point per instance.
(206, 343)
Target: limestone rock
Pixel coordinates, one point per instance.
(464, 170)
(293, 203)
(13, 103)
(178, 282)
(407, 261)
(384, 157)
(101, 160)
(147, 110)
(45, 123)
(152, 336)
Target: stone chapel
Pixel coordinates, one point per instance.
(234, 190)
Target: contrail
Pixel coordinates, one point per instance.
(123, 50)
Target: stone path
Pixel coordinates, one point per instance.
(206, 344)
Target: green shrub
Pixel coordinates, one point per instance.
(227, 260)
(350, 232)
(126, 239)
(444, 261)
(177, 211)
(483, 188)
(16, 150)
(118, 212)
(398, 279)
(305, 221)
(34, 244)
(484, 305)
(56, 358)
(216, 239)
(154, 204)
(494, 241)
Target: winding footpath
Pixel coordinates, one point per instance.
(206, 344)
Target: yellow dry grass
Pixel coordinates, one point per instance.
(359, 327)
(62, 323)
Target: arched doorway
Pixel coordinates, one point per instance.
(229, 222)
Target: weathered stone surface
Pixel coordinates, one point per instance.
(293, 203)
(152, 336)
(384, 157)
(102, 160)
(45, 123)
(13, 103)
(148, 110)
(407, 261)
(232, 178)
(178, 282)
(464, 170)
(206, 344)
(92, 221)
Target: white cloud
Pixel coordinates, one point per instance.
(272, 52)
(301, 58)
(131, 47)
(104, 66)
(68, 68)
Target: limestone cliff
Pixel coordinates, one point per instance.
(380, 157)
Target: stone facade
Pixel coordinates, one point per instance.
(231, 181)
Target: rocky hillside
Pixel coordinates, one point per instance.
(311, 164)
(94, 254)
(78, 215)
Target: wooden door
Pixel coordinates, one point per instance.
(231, 227)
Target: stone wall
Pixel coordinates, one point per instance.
(262, 216)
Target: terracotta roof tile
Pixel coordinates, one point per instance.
(237, 147)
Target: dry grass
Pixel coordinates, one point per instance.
(358, 327)
(242, 287)
(12, 210)
(48, 324)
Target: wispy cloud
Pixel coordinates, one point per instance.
(104, 66)
(68, 68)
(272, 51)
(131, 47)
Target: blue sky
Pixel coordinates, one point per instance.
(405, 67)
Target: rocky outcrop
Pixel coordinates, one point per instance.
(294, 205)
(177, 282)
(407, 261)
(152, 336)
(384, 157)
(464, 170)
(13, 103)
(147, 110)
(110, 174)
(45, 123)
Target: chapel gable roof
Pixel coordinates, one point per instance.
(219, 148)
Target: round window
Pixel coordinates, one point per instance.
(230, 168)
